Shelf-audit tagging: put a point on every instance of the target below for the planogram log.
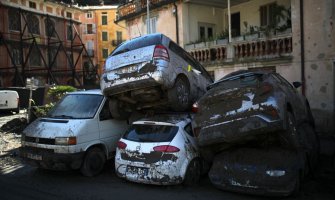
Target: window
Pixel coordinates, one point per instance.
(119, 36)
(14, 20)
(104, 36)
(89, 15)
(33, 24)
(188, 130)
(104, 19)
(49, 27)
(90, 48)
(69, 35)
(32, 4)
(267, 14)
(105, 112)
(69, 15)
(153, 25)
(16, 54)
(35, 58)
(206, 31)
(52, 59)
(70, 59)
(104, 53)
(90, 29)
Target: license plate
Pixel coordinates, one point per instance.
(141, 171)
(129, 69)
(3, 105)
(34, 156)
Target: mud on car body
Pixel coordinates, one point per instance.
(159, 150)
(245, 104)
(152, 72)
(78, 133)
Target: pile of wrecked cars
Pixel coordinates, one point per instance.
(257, 131)
(241, 129)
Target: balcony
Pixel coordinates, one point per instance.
(136, 7)
(243, 49)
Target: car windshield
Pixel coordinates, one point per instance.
(137, 43)
(246, 80)
(151, 133)
(76, 106)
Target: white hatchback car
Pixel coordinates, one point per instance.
(160, 150)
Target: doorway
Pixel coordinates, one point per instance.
(235, 24)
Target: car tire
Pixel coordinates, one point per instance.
(94, 162)
(193, 173)
(179, 95)
(117, 111)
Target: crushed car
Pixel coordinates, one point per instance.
(152, 72)
(159, 150)
(78, 133)
(255, 109)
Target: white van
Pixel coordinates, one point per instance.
(9, 101)
(78, 133)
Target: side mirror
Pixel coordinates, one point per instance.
(297, 84)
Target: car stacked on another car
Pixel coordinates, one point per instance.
(152, 72)
(159, 150)
(264, 114)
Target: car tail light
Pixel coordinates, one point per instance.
(266, 88)
(195, 107)
(166, 148)
(196, 131)
(121, 145)
(161, 52)
(273, 112)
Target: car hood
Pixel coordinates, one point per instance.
(51, 128)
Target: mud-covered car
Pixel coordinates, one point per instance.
(152, 71)
(243, 105)
(159, 150)
(274, 172)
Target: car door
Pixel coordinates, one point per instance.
(110, 129)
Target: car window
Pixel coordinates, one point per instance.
(105, 113)
(150, 133)
(188, 130)
(248, 80)
(138, 43)
(284, 81)
(76, 106)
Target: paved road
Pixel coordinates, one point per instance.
(20, 181)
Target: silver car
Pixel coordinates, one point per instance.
(152, 72)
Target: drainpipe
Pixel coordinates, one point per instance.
(302, 45)
(177, 28)
(229, 22)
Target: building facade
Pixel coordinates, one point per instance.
(100, 34)
(294, 38)
(40, 39)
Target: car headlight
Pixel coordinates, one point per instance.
(65, 140)
(275, 173)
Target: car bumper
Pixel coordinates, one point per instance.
(237, 130)
(269, 172)
(157, 174)
(47, 159)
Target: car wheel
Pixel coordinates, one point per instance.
(311, 144)
(117, 110)
(193, 173)
(93, 163)
(179, 95)
(297, 187)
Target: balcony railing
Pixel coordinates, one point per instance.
(242, 50)
(136, 7)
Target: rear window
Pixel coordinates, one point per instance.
(150, 133)
(239, 81)
(138, 43)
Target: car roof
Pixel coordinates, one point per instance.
(95, 91)
(165, 119)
